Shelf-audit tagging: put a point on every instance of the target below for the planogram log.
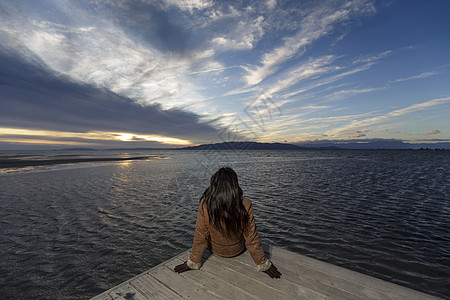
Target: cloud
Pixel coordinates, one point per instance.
(292, 126)
(217, 14)
(316, 107)
(244, 36)
(347, 93)
(312, 68)
(154, 22)
(420, 76)
(271, 4)
(323, 80)
(190, 5)
(372, 58)
(320, 71)
(387, 117)
(33, 96)
(150, 65)
(316, 24)
(358, 134)
(432, 132)
(52, 137)
(391, 132)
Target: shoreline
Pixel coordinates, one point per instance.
(16, 163)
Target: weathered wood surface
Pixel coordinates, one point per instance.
(236, 278)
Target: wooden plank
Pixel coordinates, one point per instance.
(179, 284)
(370, 284)
(152, 288)
(258, 284)
(214, 283)
(328, 282)
(291, 285)
(105, 295)
(317, 280)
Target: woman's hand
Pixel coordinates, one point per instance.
(182, 268)
(273, 272)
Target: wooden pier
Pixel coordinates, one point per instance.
(236, 278)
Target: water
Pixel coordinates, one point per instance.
(72, 231)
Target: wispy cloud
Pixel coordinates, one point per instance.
(295, 126)
(190, 5)
(420, 76)
(335, 119)
(371, 58)
(312, 68)
(317, 24)
(243, 37)
(358, 124)
(289, 78)
(326, 80)
(349, 92)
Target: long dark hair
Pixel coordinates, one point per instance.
(223, 199)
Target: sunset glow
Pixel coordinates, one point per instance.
(53, 136)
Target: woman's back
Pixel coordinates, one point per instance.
(225, 224)
(228, 245)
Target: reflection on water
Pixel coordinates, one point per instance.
(44, 161)
(73, 232)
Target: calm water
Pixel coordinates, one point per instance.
(72, 231)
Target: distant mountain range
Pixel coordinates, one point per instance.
(351, 144)
(248, 146)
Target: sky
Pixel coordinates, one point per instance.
(175, 73)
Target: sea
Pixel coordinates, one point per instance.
(74, 224)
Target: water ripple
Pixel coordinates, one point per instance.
(72, 233)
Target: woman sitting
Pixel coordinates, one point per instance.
(225, 225)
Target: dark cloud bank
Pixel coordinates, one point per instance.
(34, 97)
(160, 26)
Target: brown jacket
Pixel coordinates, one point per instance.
(225, 246)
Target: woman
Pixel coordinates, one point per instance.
(225, 223)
